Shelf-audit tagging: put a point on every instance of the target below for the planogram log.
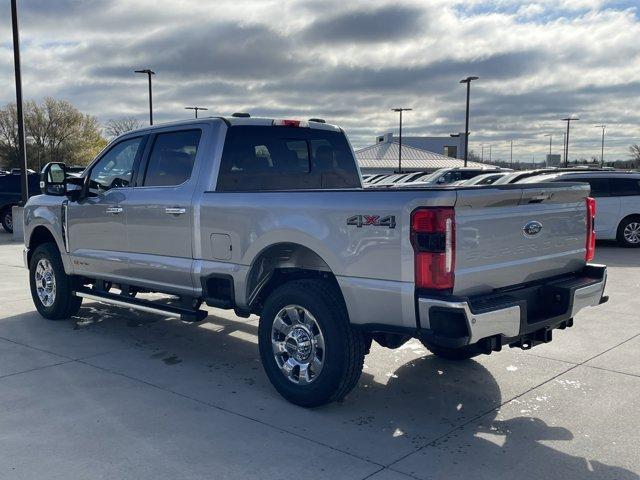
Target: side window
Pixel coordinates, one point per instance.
(599, 186)
(624, 186)
(115, 168)
(171, 159)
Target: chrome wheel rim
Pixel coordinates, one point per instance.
(298, 344)
(632, 233)
(8, 220)
(45, 282)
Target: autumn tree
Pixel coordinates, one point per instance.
(55, 131)
(116, 127)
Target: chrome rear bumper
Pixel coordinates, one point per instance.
(512, 315)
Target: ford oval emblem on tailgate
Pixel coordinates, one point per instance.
(532, 229)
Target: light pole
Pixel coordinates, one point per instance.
(550, 139)
(602, 151)
(511, 154)
(149, 73)
(196, 109)
(489, 153)
(400, 110)
(566, 146)
(482, 154)
(22, 148)
(468, 81)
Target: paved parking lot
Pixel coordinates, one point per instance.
(121, 394)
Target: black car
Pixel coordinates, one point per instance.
(10, 194)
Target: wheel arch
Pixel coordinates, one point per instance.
(39, 236)
(279, 263)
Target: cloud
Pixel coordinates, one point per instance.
(348, 62)
(366, 25)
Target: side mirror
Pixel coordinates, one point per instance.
(441, 180)
(53, 179)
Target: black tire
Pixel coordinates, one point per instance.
(344, 351)
(622, 238)
(455, 354)
(64, 303)
(6, 218)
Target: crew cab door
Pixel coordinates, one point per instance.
(96, 224)
(160, 213)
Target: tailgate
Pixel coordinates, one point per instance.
(515, 234)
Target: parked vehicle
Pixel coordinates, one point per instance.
(617, 195)
(446, 176)
(11, 194)
(485, 178)
(515, 177)
(269, 217)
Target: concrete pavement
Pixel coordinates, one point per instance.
(120, 394)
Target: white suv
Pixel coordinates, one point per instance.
(617, 197)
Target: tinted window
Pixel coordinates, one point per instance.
(115, 168)
(599, 186)
(171, 158)
(624, 186)
(285, 158)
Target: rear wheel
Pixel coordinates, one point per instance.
(629, 232)
(51, 287)
(456, 354)
(6, 218)
(309, 351)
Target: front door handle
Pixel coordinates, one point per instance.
(175, 210)
(114, 210)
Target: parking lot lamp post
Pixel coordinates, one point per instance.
(149, 73)
(468, 81)
(511, 154)
(400, 110)
(22, 150)
(602, 145)
(550, 139)
(196, 109)
(566, 142)
(482, 153)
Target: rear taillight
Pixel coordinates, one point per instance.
(591, 229)
(433, 240)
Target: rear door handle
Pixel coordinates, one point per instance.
(114, 210)
(175, 210)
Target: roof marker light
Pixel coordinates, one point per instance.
(290, 123)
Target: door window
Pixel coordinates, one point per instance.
(115, 168)
(624, 186)
(599, 186)
(172, 158)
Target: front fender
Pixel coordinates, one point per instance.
(44, 211)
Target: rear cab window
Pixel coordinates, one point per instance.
(258, 158)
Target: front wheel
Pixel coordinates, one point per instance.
(629, 233)
(309, 351)
(51, 287)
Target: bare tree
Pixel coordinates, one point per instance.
(634, 150)
(115, 128)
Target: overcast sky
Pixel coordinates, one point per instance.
(348, 62)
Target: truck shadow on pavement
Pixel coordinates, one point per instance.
(407, 401)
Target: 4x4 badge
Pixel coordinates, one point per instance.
(372, 220)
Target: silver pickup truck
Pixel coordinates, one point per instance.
(269, 217)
